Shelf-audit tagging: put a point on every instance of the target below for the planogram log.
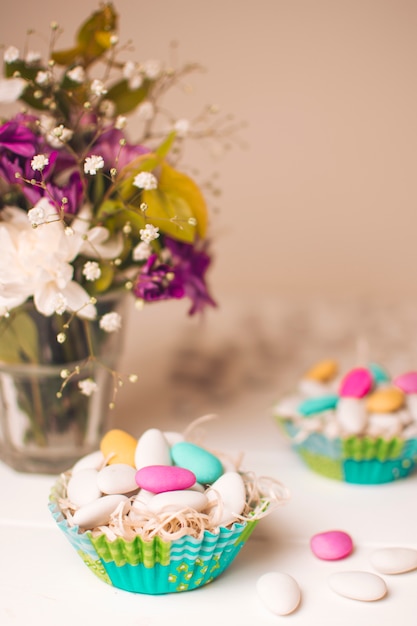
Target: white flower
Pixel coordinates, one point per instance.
(120, 122)
(11, 89)
(97, 87)
(142, 251)
(146, 111)
(61, 304)
(77, 74)
(152, 69)
(33, 57)
(149, 233)
(11, 54)
(129, 69)
(132, 74)
(111, 322)
(39, 162)
(41, 212)
(42, 78)
(182, 127)
(87, 386)
(59, 136)
(93, 163)
(91, 270)
(145, 180)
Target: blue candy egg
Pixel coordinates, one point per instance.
(205, 466)
(311, 406)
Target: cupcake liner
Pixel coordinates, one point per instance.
(154, 567)
(359, 460)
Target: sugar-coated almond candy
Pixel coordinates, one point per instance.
(99, 511)
(94, 460)
(279, 592)
(205, 466)
(118, 446)
(229, 493)
(358, 585)
(379, 374)
(173, 501)
(385, 400)
(152, 449)
(356, 384)
(311, 406)
(117, 478)
(323, 371)
(407, 382)
(83, 488)
(394, 560)
(331, 545)
(160, 478)
(351, 415)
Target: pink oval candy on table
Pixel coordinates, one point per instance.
(407, 382)
(161, 478)
(356, 384)
(331, 545)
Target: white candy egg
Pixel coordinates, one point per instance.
(98, 513)
(173, 437)
(229, 493)
(279, 592)
(83, 487)
(117, 478)
(351, 415)
(355, 585)
(394, 560)
(94, 460)
(152, 449)
(171, 501)
(141, 500)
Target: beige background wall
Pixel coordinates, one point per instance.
(323, 200)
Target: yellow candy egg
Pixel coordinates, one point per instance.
(322, 371)
(119, 447)
(385, 400)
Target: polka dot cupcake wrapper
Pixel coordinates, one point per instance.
(155, 567)
(360, 460)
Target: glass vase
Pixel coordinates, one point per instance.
(46, 422)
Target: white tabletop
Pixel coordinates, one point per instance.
(247, 363)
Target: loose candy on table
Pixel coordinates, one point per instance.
(385, 400)
(82, 487)
(98, 512)
(205, 466)
(394, 560)
(229, 492)
(118, 446)
(356, 384)
(279, 592)
(407, 382)
(358, 585)
(323, 371)
(331, 545)
(160, 478)
(173, 501)
(311, 406)
(152, 449)
(117, 478)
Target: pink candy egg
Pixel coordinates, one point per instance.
(407, 382)
(161, 478)
(331, 545)
(356, 384)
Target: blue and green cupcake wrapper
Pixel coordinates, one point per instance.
(359, 460)
(154, 567)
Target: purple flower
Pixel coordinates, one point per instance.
(158, 281)
(17, 138)
(114, 155)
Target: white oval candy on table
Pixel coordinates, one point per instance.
(98, 513)
(94, 460)
(83, 487)
(172, 501)
(394, 560)
(229, 492)
(117, 478)
(152, 449)
(279, 592)
(356, 585)
(351, 415)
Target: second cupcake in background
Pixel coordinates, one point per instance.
(358, 427)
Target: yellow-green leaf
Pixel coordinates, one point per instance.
(19, 339)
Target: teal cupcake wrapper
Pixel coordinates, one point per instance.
(359, 460)
(154, 567)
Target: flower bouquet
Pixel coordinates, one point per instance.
(86, 217)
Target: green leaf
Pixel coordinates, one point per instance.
(126, 99)
(19, 339)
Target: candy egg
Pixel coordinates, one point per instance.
(355, 585)
(323, 371)
(279, 592)
(229, 492)
(173, 501)
(386, 425)
(394, 560)
(83, 488)
(117, 478)
(331, 545)
(205, 466)
(152, 449)
(351, 415)
(118, 446)
(317, 405)
(356, 384)
(160, 478)
(385, 400)
(98, 513)
(378, 373)
(94, 460)
(173, 437)
(407, 382)
(141, 501)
